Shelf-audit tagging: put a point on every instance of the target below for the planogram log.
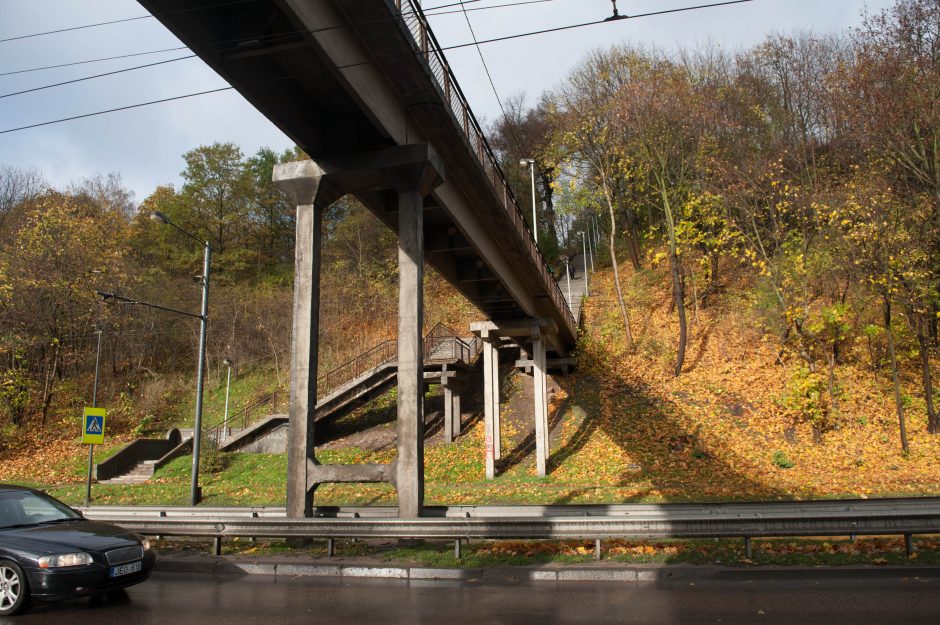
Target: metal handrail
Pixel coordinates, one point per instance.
(382, 354)
(242, 415)
(429, 48)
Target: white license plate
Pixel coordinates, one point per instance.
(126, 569)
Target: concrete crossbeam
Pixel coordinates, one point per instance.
(514, 327)
(349, 473)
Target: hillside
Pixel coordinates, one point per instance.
(624, 427)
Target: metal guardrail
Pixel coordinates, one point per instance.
(728, 520)
(455, 100)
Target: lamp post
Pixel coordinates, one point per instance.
(195, 493)
(228, 386)
(587, 288)
(535, 227)
(568, 277)
(591, 247)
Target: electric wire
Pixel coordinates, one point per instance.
(428, 12)
(147, 17)
(84, 78)
(123, 20)
(442, 49)
(98, 60)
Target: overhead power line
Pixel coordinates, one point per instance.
(117, 71)
(443, 48)
(431, 12)
(115, 110)
(98, 60)
(123, 20)
(147, 17)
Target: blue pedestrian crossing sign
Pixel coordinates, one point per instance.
(93, 426)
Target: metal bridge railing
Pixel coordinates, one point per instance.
(451, 93)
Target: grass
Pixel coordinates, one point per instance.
(246, 388)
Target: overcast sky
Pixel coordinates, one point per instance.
(145, 145)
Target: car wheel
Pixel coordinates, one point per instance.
(14, 590)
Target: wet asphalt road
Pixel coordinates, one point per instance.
(230, 600)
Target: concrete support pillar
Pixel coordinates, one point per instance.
(410, 354)
(490, 388)
(541, 405)
(412, 171)
(497, 430)
(301, 181)
(448, 412)
(455, 409)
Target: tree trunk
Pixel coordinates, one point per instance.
(833, 400)
(899, 403)
(678, 288)
(633, 239)
(934, 319)
(923, 340)
(47, 389)
(613, 260)
(711, 285)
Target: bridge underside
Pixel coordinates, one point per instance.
(363, 88)
(341, 77)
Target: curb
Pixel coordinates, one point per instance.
(629, 575)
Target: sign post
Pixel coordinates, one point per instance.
(92, 434)
(98, 437)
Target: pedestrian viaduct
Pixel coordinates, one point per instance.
(365, 89)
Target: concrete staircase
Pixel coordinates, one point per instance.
(141, 473)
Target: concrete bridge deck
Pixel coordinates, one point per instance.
(345, 77)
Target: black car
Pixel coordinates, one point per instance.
(50, 552)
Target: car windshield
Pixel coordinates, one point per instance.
(23, 507)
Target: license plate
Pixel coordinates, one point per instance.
(126, 569)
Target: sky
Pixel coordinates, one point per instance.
(145, 145)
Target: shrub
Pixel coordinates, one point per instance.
(781, 460)
(806, 398)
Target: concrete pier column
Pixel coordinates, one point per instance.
(497, 430)
(541, 407)
(410, 354)
(301, 181)
(448, 412)
(414, 176)
(455, 408)
(490, 388)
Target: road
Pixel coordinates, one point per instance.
(230, 600)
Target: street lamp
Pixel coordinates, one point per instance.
(587, 288)
(195, 493)
(531, 163)
(568, 277)
(228, 386)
